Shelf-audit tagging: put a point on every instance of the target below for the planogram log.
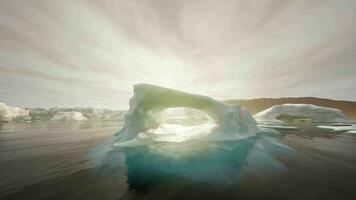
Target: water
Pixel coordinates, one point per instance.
(49, 160)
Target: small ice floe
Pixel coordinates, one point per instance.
(339, 124)
(351, 132)
(132, 143)
(281, 127)
(339, 128)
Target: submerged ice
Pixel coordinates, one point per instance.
(211, 163)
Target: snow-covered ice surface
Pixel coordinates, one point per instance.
(278, 113)
(9, 113)
(69, 116)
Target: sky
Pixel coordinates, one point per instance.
(90, 53)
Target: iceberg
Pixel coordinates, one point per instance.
(149, 101)
(69, 116)
(279, 114)
(9, 113)
(172, 134)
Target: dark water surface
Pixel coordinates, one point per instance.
(49, 160)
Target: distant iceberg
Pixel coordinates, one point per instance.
(9, 113)
(42, 114)
(279, 114)
(69, 116)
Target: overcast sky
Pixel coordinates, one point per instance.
(90, 53)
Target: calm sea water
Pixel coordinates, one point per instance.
(49, 160)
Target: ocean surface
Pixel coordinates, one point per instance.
(53, 160)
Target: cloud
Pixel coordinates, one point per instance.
(90, 53)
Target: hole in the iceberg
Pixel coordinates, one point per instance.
(181, 123)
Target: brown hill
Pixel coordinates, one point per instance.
(257, 105)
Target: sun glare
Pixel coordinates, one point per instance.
(181, 124)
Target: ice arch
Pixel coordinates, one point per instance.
(233, 121)
(182, 116)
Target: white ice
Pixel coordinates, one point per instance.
(340, 128)
(9, 113)
(278, 127)
(69, 116)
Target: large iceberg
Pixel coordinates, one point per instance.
(69, 116)
(9, 113)
(279, 114)
(149, 101)
(218, 137)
